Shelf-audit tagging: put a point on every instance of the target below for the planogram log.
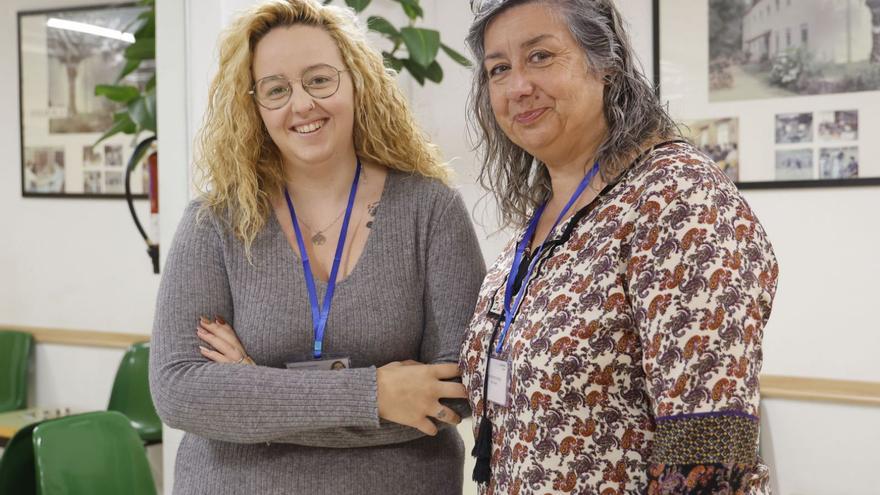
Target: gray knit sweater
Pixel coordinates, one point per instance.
(265, 429)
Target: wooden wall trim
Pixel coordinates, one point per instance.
(86, 338)
(820, 389)
(772, 386)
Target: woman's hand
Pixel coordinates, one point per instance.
(222, 338)
(409, 393)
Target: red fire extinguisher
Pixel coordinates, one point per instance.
(152, 162)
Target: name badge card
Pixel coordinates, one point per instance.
(499, 381)
(322, 364)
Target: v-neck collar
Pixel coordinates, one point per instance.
(295, 259)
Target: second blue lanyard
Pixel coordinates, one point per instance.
(511, 309)
(320, 314)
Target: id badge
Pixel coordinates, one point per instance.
(309, 363)
(499, 381)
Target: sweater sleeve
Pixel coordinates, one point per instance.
(702, 277)
(455, 271)
(236, 403)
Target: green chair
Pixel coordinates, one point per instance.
(15, 351)
(95, 453)
(131, 394)
(17, 471)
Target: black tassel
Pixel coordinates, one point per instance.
(483, 451)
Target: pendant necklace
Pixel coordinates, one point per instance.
(318, 238)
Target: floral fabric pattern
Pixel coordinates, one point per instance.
(636, 351)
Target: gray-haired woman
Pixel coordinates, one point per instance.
(616, 344)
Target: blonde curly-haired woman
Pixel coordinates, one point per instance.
(322, 190)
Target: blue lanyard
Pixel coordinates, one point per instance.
(510, 310)
(319, 316)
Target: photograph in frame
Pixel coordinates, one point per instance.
(840, 125)
(800, 77)
(795, 164)
(839, 163)
(781, 48)
(719, 140)
(794, 128)
(63, 54)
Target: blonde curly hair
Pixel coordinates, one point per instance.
(241, 166)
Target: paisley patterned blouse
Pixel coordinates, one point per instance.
(636, 351)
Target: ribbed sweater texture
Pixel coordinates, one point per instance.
(266, 429)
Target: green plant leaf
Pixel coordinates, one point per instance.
(121, 94)
(392, 61)
(412, 8)
(417, 71)
(150, 104)
(139, 155)
(141, 49)
(140, 112)
(130, 66)
(454, 55)
(357, 5)
(137, 109)
(121, 123)
(143, 111)
(381, 25)
(422, 44)
(147, 29)
(434, 72)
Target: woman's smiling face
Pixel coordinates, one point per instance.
(307, 130)
(543, 92)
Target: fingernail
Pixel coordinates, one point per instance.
(203, 349)
(200, 331)
(219, 319)
(204, 319)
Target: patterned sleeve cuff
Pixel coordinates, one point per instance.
(704, 453)
(699, 479)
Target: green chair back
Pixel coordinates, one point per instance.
(95, 453)
(17, 471)
(15, 351)
(131, 393)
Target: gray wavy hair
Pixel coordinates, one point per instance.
(633, 111)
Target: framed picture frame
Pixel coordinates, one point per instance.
(780, 93)
(63, 54)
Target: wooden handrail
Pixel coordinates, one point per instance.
(820, 389)
(87, 338)
(772, 386)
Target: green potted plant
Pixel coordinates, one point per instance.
(137, 114)
(421, 45)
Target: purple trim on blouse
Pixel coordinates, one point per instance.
(713, 414)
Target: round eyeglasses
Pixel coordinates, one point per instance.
(320, 81)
